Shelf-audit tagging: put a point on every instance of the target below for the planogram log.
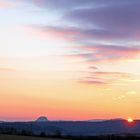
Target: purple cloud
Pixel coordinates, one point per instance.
(104, 19)
(93, 25)
(101, 53)
(121, 17)
(78, 34)
(74, 4)
(114, 15)
(98, 19)
(69, 4)
(89, 52)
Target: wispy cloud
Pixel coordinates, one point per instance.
(111, 30)
(108, 53)
(104, 19)
(92, 82)
(117, 74)
(120, 17)
(104, 77)
(95, 52)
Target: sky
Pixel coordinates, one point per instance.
(69, 59)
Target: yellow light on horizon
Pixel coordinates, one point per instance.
(130, 120)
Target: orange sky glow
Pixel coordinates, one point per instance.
(52, 65)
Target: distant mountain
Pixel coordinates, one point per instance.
(102, 120)
(97, 120)
(117, 119)
(80, 128)
(42, 119)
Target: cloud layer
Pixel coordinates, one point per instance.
(103, 31)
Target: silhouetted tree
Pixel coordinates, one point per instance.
(26, 133)
(42, 134)
(57, 133)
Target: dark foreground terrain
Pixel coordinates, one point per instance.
(14, 137)
(64, 128)
(84, 130)
(102, 137)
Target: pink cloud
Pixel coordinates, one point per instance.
(103, 53)
(120, 74)
(104, 77)
(67, 34)
(91, 53)
(92, 82)
(6, 4)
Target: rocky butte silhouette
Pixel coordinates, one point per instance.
(42, 119)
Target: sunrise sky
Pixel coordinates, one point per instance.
(69, 59)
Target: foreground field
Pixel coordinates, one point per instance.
(12, 137)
